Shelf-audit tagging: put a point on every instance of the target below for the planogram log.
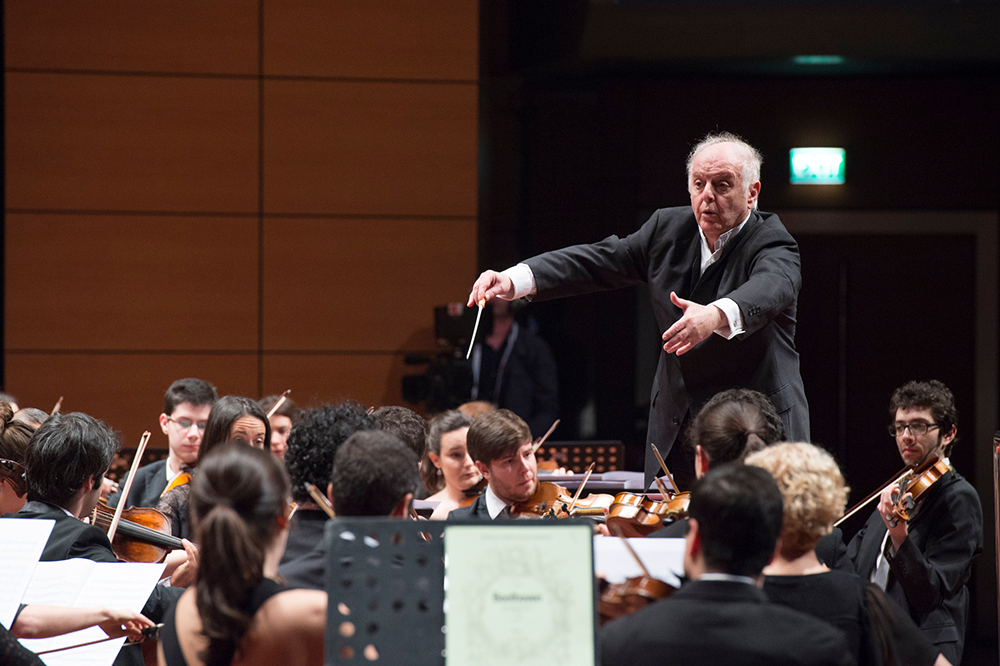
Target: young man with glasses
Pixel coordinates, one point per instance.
(185, 411)
(925, 562)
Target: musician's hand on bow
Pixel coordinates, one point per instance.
(491, 285)
(124, 622)
(898, 532)
(697, 323)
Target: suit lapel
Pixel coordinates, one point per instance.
(871, 546)
(741, 239)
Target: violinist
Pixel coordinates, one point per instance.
(14, 438)
(285, 417)
(447, 469)
(924, 563)
(186, 405)
(722, 616)
(814, 496)
(501, 446)
(309, 459)
(232, 418)
(238, 612)
(64, 464)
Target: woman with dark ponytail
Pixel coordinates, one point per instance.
(237, 613)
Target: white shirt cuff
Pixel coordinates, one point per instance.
(734, 321)
(524, 280)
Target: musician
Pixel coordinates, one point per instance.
(719, 267)
(309, 459)
(722, 616)
(814, 497)
(31, 416)
(406, 424)
(233, 418)
(447, 469)
(924, 563)
(14, 438)
(501, 446)
(238, 613)
(65, 463)
(373, 475)
(186, 405)
(285, 417)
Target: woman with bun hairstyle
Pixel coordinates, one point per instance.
(237, 612)
(14, 438)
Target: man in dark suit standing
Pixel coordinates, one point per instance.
(64, 465)
(500, 444)
(186, 406)
(720, 267)
(924, 563)
(722, 616)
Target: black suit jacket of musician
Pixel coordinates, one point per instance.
(475, 511)
(71, 538)
(721, 622)
(929, 572)
(150, 482)
(759, 269)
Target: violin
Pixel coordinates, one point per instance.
(638, 515)
(552, 500)
(13, 472)
(143, 535)
(913, 487)
(620, 599)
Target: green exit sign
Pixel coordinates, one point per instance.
(817, 166)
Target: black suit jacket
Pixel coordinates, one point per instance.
(73, 538)
(759, 269)
(721, 622)
(929, 572)
(475, 511)
(303, 564)
(150, 482)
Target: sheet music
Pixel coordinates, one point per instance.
(663, 557)
(21, 544)
(85, 584)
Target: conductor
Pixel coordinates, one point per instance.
(724, 280)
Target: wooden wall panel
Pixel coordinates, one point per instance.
(123, 35)
(315, 379)
(122, 282)
(131, 143)
(362, 284)
(125, 390)
(392, 39)
(370, 148)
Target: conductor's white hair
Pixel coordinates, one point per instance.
(750, 158)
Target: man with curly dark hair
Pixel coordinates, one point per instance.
(924, 563)
(312, 446)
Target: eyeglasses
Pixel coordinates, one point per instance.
(917, 428)
(186, 424)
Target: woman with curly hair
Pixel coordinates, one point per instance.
(814, 495)
(237, 612)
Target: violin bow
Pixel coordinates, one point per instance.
(616, 528)
(579, 491)
(55, 410)
(148, 634)
(663, 489)
(278, 403)
(318, 497)
(128, 485)
(866, 501)
(544, 437)
(659, 459)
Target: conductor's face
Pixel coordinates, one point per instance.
(719, 198)
(513, 478)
